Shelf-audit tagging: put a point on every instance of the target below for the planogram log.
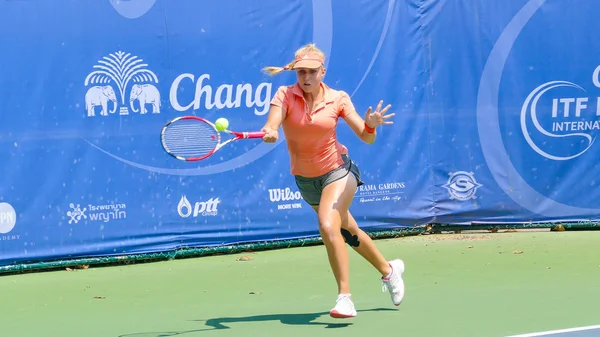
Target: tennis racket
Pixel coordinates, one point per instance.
(191, 138)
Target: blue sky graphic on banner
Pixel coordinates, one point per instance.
(497, 114)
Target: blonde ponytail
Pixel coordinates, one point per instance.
(311, 47)
(276, 70)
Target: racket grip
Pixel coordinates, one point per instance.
(254, 134)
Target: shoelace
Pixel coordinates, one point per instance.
(386, 285)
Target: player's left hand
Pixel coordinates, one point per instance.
(377, 118)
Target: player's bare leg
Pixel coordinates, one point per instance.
(335, 201)
(364, 245)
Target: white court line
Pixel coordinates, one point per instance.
(535, 334)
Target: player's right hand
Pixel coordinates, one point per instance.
(270, 136)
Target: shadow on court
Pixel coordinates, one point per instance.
(288, 319)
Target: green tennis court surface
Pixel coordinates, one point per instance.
(478, 285)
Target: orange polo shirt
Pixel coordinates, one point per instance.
(311, 136)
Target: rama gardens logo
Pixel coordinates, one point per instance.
(112, 75)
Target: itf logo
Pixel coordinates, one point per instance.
(461, 185)
(567, 115)
(573, 118)
(556, 89)
(112, 75)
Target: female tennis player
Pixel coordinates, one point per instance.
(326, 177)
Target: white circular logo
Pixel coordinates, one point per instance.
(462, 185)
(132, 9)
(8, 218)
(529, 109)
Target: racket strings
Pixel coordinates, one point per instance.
(190, 138)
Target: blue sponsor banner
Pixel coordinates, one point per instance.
(496, 103)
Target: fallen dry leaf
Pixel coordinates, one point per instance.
(244, 258)
(255, 293)
(517, 252)
(99, 297)
(470, 247)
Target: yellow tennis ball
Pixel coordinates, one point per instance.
(222, 124)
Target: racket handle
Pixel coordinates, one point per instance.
(253, 134)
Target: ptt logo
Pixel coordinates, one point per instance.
(461, 185)
(108, 86)
(201, 208)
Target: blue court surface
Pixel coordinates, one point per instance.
(589, 331)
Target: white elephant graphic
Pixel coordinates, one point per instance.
(145, 94)
(98, 95)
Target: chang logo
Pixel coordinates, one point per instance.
(112, 76)
(196, 86)
(461, 185)
(572, 118)
(225, 96)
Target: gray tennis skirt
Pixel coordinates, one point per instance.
(311, 188)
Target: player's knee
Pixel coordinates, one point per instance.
(327, 228)
(351, 240)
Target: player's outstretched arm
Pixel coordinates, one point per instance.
(365, 128)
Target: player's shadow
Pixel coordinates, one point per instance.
(288, 319)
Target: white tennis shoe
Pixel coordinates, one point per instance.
(395, 284)
(344, 307)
